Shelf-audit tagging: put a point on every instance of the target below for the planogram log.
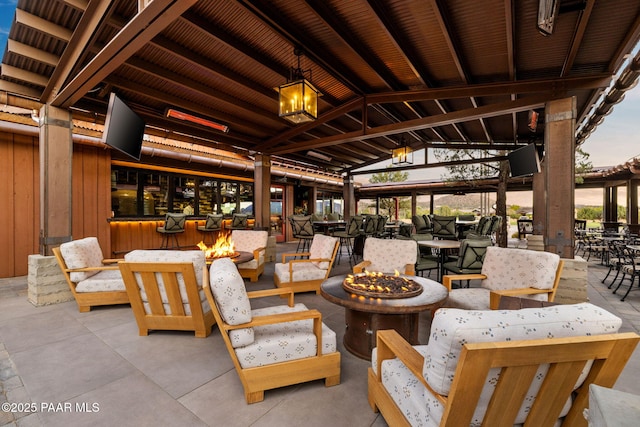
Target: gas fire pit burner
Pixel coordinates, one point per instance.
(232, 256)
(378, 285)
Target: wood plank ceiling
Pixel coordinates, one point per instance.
(449, 74)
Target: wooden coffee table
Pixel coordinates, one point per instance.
(364, 316)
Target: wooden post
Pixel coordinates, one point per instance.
(559, 142)
(262, 190)
(56, 150)
(349, 197)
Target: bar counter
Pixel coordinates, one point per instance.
(129, 233)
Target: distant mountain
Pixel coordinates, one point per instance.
(466, 202)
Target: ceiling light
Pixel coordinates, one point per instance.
(298, 98)
(181, 115)
(402, 154)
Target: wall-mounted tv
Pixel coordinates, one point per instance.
(123, 128)
(524, 161)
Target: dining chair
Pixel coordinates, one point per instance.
(444, 227)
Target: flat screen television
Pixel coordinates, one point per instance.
(524, 161)
(123, 128)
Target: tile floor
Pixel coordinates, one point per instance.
(96, 364)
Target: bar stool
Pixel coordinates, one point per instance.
(173, 224)
(213, 224)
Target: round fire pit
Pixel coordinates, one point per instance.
(378, 285)
(236, 254)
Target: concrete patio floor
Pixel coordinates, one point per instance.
(59, 359)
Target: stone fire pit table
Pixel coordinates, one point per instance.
(364, 316)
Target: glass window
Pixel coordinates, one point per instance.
(329, 203)
(156, 194)
(245, 197)
(208, 196)
(145, 193)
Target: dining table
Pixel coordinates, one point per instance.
(443, 247)
(325, 226)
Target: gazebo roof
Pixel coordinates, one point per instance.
(448, 74)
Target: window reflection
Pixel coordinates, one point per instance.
(143, 193)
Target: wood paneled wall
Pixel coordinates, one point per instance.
(20, 199)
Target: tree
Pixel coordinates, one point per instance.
(389, 204)
(470, 172)
(583, 165)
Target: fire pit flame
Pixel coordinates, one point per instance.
(380, 285)
(222, 248)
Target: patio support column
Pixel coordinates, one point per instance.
(610, 204)
(56, 151)
(349, 197)
(559, 143)
(539, 197)
(632, 201)
(262, 190)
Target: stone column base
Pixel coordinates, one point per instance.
(572, 288)
(45, 282)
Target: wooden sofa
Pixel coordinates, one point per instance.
(165, 288)
(499, 368)
(93, 281)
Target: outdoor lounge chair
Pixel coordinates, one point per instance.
(303, 275)
(166, 292)
(92, 280)
(514, 272)
(388, 256)
(499, 368)
(271, 347)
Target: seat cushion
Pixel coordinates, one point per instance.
(82, 253)
(452, 328)
(232, 301)
(197, 258)
(302, 271)
(322, 247)
(518, 268)
(103, 281)
(389, 255)
(284, 341)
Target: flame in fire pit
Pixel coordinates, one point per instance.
(380, 285)
(223, 247)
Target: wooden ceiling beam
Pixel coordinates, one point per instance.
(76, 48)
(30, 52)
(42, 25)
(141, 29)
(25, 76)
(556, 86)
(195, 86)
(578, 36)
(491, 110)
(264, 11)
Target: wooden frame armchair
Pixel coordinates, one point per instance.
(166, 292)
(93, 281)
(388, 256)
(254, 241)
(265, 355)
(512, 272)
(304, 275)
(499, 368)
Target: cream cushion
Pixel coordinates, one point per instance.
(452, 328)
(82, 253)
(508, 268)
(249, 241)
(389, 255)
(160, 256)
